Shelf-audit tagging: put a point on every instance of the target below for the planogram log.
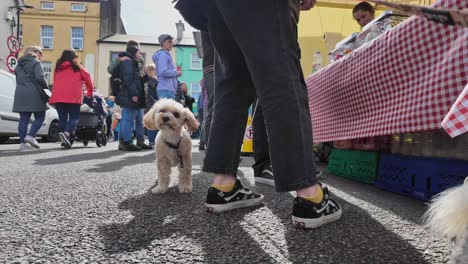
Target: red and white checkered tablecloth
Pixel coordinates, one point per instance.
(404, 81)
(456, 121)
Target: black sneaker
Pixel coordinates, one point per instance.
(307, 214)
(266, 177)
(218, 201)
(65, 140)
(128, 146)
(141, 144)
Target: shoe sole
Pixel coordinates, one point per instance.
(32, 143)
(221, 208)
(64, 139)
(315, 223)
(265, 181)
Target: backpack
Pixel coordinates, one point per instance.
(115, 81)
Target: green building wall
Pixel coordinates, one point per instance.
(192, 70)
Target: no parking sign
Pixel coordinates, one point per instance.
(11, 63)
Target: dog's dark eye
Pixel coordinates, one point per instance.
(176, 115)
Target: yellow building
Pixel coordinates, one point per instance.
(56, 25)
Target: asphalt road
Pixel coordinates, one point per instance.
(91, 205)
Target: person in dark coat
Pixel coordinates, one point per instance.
(30, 79)
(133, 102)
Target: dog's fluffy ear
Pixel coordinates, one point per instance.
(149, 120)
(190, 120)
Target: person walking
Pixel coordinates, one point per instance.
(30, 79)
(67, 93)
(133, 102)
(165, 68)
(273, 73)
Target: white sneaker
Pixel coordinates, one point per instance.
(25, 147)
(32, 141)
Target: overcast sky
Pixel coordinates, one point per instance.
(151, 18)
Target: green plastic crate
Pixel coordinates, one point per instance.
(354, 164)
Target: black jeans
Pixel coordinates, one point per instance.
(260, 56)
(261, 148)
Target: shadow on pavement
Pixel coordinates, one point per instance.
(181, 218)
(355, 238)
(405, 207)
(79, 157)
(121, 163)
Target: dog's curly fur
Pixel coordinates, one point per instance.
(172, 121)
(448, 217)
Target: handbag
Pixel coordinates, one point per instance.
(43, 92)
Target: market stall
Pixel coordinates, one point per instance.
(397, 88)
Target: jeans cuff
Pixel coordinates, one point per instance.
(220, 171)
(297, 186)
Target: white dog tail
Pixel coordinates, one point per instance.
(448, 212)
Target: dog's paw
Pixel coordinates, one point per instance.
(159, 190)
(185, 189)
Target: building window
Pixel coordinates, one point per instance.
(47, 66)
(113, 55)
(77, 38)
(195, 62)
(20, 37)
(47, 5)
(47, 37)
(78, 7)
(196, 90)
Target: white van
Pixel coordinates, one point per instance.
(9, 120)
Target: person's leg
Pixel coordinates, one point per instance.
(261, 149)
(234, 94)
(127, 124)
(209, 86)
(63, 116)
(39, 118)
(109, 124)
(36, 125)
(23, 125)
(74, 118)
(140, 130)
(125, 132)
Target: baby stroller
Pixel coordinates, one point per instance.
(92, 125)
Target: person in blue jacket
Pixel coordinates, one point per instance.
(165, 68)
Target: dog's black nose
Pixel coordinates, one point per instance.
(165, 119)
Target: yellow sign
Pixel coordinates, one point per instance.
(247, 145)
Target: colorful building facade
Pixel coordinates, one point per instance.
(192, 69)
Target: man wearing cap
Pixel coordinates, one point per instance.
(165, 68)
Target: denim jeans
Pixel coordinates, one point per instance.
(69, 116)
(131, 119)
(24, 122)
(272, 73)
(152, 135)
(166, 94)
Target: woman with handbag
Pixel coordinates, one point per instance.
(29, 96)
(67, 93)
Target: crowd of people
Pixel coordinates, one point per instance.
(134, 91)
(236, 74)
